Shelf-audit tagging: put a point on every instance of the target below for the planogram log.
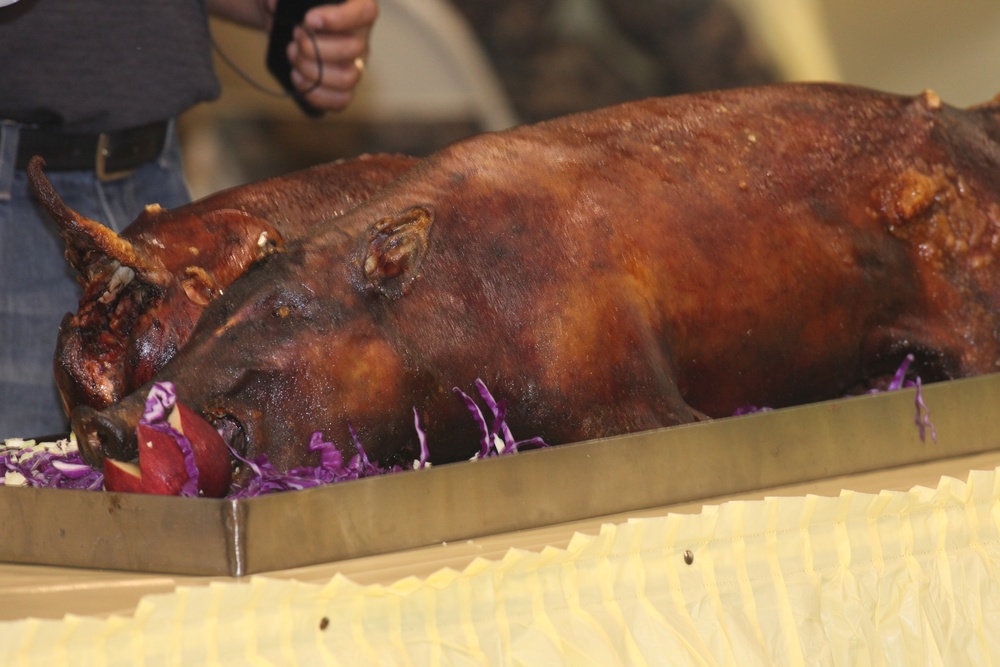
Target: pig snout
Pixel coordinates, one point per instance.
(100, 435)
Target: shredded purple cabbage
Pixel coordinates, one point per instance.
(59, 465)
(495, 441)
(923, 416)
(46, 465)
(749, 410)
(425, 453)
(899, 381)
(265, 478)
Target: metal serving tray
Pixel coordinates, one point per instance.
(465, 500)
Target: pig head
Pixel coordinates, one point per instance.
(144, 289)
(614, 271)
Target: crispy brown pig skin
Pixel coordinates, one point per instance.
(615, 271)
(143, 290)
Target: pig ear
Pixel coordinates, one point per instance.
(84, 237)
(396, 246)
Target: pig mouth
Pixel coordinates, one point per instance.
(232, 431)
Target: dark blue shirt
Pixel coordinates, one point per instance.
(103, 65)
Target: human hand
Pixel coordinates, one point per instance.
(328, 52)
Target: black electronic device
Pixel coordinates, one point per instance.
(287, 15)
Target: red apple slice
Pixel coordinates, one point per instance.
(122, 476)
(211, 455)
(161, 469)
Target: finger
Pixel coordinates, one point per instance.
(330, 99)
(312, 46)
(338, 76)
(349, 16)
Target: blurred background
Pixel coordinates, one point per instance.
(441, 70)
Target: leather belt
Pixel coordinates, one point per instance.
(109, 154)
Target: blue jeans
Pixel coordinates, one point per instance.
(38, 286)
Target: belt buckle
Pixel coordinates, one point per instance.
(101, 159)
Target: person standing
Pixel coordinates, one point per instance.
(94, 86)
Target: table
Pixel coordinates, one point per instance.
(52, 592)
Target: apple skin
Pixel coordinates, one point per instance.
(161, 468)
(122, 476)
(211, 455)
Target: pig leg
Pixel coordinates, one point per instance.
(941, 348)
(603, 348)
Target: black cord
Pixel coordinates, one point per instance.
(258, 85)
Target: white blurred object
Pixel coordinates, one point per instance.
(427, 64)
(900, 47)
(906, 47)
(795, 34)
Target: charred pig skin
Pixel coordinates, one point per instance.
(143, 290)
(615, 271)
